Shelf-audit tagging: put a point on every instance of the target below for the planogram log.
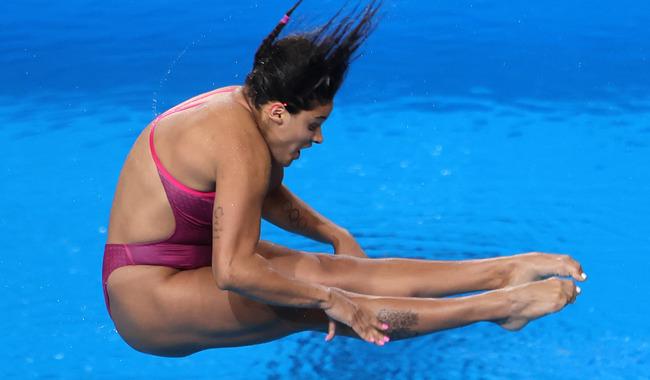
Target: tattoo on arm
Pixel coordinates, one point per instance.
(295, 219)
(216, 225)
(400, 322)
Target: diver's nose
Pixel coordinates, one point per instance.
(318, 137)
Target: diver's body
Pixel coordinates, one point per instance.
(257, 291)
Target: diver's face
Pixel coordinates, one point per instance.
(289, 134)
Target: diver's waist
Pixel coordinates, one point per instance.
(181, 256)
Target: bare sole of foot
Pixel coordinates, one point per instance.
(537, 299)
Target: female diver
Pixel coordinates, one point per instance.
(184, 269)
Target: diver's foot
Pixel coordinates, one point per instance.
(536, 299)
(533, 266)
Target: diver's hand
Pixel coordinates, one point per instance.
(348, 310)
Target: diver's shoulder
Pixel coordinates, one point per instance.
(232, 123)
(234, 132)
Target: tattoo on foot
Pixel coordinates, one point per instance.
(400, 323)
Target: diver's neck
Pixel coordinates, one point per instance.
(247, 103)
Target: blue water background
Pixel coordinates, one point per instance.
(467, 129)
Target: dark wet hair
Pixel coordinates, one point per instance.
(306, 69)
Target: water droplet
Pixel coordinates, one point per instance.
(437, 150)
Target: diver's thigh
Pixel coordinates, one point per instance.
(270, 250)
(187, 313)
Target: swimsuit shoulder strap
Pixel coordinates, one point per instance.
(191, 103)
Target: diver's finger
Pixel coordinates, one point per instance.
(331, 330)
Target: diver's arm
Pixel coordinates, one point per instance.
(242, 181)
(284, 209)
(242, 178)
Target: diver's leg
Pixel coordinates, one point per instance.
(166, 312)
(401, 277)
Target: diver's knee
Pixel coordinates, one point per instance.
(333, 269)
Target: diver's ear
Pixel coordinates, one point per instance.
(278, 112)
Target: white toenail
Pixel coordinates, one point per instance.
(578, 289)
(584, 276)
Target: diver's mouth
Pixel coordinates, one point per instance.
(296, 154)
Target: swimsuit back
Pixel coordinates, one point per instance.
(192, 208)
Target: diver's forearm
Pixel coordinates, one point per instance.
(287, 211)
(253, 277)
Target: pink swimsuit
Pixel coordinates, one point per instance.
(190, 246)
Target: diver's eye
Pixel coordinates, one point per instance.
(312, 127)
